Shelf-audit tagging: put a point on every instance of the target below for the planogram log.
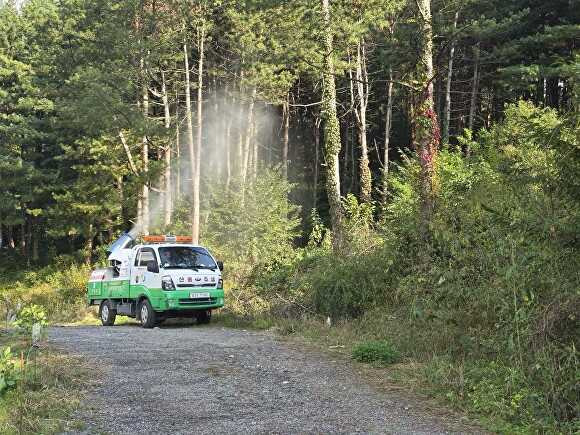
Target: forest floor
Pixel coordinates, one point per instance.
(209, 379)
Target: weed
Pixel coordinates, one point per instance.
(375, 352)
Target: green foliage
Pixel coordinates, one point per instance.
(42, 396)
(58, 290)
(257, 224)
(318, 234)
(375, 352)
(252, 230)
(491, 298)
(30, 315)
(9, 372)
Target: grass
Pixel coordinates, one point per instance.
(44, 399)
(379, 352)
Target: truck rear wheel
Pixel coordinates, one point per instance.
(203, 317)
(107, 313)
(146, 314)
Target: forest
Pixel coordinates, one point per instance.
(405, 170)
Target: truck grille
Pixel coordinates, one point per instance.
(204, 301)
(190, 284)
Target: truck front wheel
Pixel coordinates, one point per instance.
(203, 317)
(107, 313)
(146, 314)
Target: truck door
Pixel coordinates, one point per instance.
(141, 279)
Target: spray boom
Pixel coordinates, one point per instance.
(121, 243)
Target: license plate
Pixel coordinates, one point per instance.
(199, 295)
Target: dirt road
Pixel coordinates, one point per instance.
(210, 379)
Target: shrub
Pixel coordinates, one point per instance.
(30, 315)
(9, 372)
(375, 351)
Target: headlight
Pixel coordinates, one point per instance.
(220, 283)
(167, 283)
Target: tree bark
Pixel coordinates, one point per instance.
(197, 168)
(345, 161)
(23, 238)
(145, 155)
(388, 122)
(167, 195)
(285, 135)
(189, 122)
(316, 161)
(425, 129)
(361, 117)
(177, 150)
(474, 87)
(248, 138)
(35, 236)
(331, 133)
(255, 151)
(10, 237)
(89, 245)
(217, 155)
(227, 144)
(239, 117)
(447, 108)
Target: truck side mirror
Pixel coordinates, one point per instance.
(152, 266)
(220, 265)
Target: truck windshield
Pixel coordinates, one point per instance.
(185, 257)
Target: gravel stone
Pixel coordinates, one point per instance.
(214, 380)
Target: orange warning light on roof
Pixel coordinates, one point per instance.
(167, 239)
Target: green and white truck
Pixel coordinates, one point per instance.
(165, 276)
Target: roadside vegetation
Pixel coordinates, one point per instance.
(39, 387)
(485, 313)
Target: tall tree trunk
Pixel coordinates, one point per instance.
(35, 236)
(425, 129)
(388, 122)
(217, 152)
(121, 194)
(331, 133)
(246, 150)
(447, 109)
(167, 199)
(89, 244)
(285, 135)
(362, 86)
(353, 166)
(240, 127)
(316, 161)
(145, 154)
(30, 230)
(255, 150)
(10, 231)
(23, 237)
(177, 150)
(474, 87)
(345, 162)
(196, 170)
(227, 141)
(189, 122)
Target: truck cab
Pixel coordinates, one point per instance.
(166, 276)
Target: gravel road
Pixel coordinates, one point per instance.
(210, 379)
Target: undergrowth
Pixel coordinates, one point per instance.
(484, 306)
(46, 387)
